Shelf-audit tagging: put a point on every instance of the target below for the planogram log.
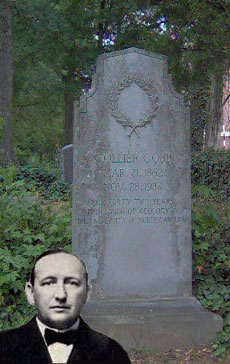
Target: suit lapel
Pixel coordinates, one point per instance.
(80, 350)
(88, 345)
(35, 347)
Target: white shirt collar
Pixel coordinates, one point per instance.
(58, 352)
(43, 326)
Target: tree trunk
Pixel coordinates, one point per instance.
(198, 117)
(6, 82)
(215, 111)
(69, 116)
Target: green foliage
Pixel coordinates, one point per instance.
(28, 226)
(212, 168)
(45, 182)
(37, 111)
(195, 38)
(211, 248)
(55, 45)
(202, 27)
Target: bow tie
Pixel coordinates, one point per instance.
(68, 337)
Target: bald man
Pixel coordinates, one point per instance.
(58, 287)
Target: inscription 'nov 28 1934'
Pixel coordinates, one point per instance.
(138, 177)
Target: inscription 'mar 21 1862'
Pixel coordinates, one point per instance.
(132, 83)
(133, 172)
(139, 179)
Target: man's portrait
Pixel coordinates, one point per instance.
(58, 287)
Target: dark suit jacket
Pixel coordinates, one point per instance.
(25, 345)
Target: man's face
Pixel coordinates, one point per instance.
(60, 290)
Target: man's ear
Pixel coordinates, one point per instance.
(29, 290)
(89, 288)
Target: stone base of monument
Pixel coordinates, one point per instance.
(154, 324)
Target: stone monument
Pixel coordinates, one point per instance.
(132, 205)
(66, 164)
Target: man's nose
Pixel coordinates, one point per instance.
(60, 292)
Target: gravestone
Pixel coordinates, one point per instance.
(132, 205)
(66, 163)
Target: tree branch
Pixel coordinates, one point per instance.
(226, 100)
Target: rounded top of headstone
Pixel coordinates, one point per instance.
(67, 146)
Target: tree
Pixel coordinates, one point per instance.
(68, 35)
(215, 110)
(61, 34)
(6, 81)
(199, 30)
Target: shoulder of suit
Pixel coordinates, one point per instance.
(91, 335)
(101, 343)
(18, 331)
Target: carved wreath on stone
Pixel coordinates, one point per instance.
(121, 117)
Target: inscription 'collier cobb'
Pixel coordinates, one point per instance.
(120, 115)
(127, 158)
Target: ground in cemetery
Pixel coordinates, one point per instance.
(194, 356)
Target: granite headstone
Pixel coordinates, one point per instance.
(66, 164)
(132, 204)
